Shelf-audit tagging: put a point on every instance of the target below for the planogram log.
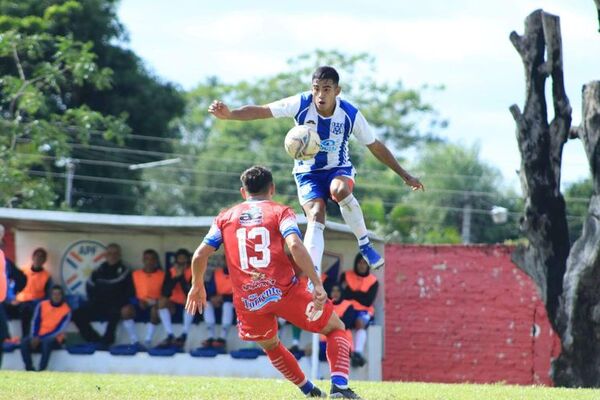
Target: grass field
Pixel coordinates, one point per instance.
(63, 385)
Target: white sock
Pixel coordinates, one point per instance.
(165, 318)
(360, 338)
(209, 318)
(226, 318)
(187, 322)
(314, 242)
(353, 216)
(130, 328)
(150, 332)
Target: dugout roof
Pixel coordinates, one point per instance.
(66, 221)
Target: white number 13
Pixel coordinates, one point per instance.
(262, 247)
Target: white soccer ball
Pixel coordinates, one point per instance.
(302, 142)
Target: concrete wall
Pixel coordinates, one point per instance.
(463, 314)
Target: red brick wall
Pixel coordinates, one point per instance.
(463, 314)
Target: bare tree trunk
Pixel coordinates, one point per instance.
(541, 144)
(579, 312)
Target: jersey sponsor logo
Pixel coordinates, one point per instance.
(252, 216)
(258, 283)
(78, 262)
(329, 145)
(337, 128)
(255, 302)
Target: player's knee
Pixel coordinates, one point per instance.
(340, 192)
(163, 302)
(360, 324)
(127, 312)
(269, 344)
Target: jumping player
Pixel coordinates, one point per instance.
(330, 174)
(265, 286)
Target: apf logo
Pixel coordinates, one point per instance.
(78, 262)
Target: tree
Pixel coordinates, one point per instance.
(36, 123)
(459, 186)
(220, 150)
(103, 182)
(567, 276)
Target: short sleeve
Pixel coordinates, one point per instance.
(287, 107)
(214, 237)
(362, 130)
(288, 223)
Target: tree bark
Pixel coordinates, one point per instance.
(540, 144)
(579, 312)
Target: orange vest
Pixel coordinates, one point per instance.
(341, 308)
(51, 316)
(148, 286)
(35, 288)
(177, 295)
(223, 282)
(358, 283)
(2, 277)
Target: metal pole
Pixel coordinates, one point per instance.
(466, 223)
(70, 167)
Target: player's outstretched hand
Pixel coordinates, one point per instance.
(319, 297)
(414, 183)
(219, 109)
(196, 300)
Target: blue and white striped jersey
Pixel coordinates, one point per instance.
(334, 131)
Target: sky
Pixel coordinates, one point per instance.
(462, 44)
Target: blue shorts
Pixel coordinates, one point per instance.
(365, 317)
(141, 314)
(315, 184)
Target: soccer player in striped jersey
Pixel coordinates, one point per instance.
(265, 287)
(330, 175)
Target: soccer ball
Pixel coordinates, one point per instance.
(302, 142)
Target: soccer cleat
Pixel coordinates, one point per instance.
(316, 392)
(208, 343)
(339, 393)
(168, 342)
(357, 360)
(371, 256)
(180, 341)
(219, 343)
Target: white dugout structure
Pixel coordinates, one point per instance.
(75, 244)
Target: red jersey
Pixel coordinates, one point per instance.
(253, 234)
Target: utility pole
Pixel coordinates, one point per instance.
(466, 221)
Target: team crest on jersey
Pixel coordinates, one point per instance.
(252, 216)
(337, 128)
(329, 145)
(257, 301)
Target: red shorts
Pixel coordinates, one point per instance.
(295, 307)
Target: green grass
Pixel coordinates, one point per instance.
(62, 385)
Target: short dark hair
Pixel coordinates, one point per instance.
(256, 179)
(326, 72)
(183, 252)
(40, 250)
(58, 287)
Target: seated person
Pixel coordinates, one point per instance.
(15, 282)
(50, 319)
(37, 288)
(219, 293)
(360, 287)
(172, 301)
(147, 282)
(345, 310)
(109, 289)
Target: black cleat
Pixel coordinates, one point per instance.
(357, 360)
(339, 393)
(316, 392)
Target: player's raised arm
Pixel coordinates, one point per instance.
(196, 300)
(304, 262)
(245, 113)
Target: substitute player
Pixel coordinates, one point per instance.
(265, 286)
(330, 174)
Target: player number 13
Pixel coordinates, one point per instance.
(263, 257)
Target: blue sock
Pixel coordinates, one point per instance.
(339, 381)
(307, 387)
